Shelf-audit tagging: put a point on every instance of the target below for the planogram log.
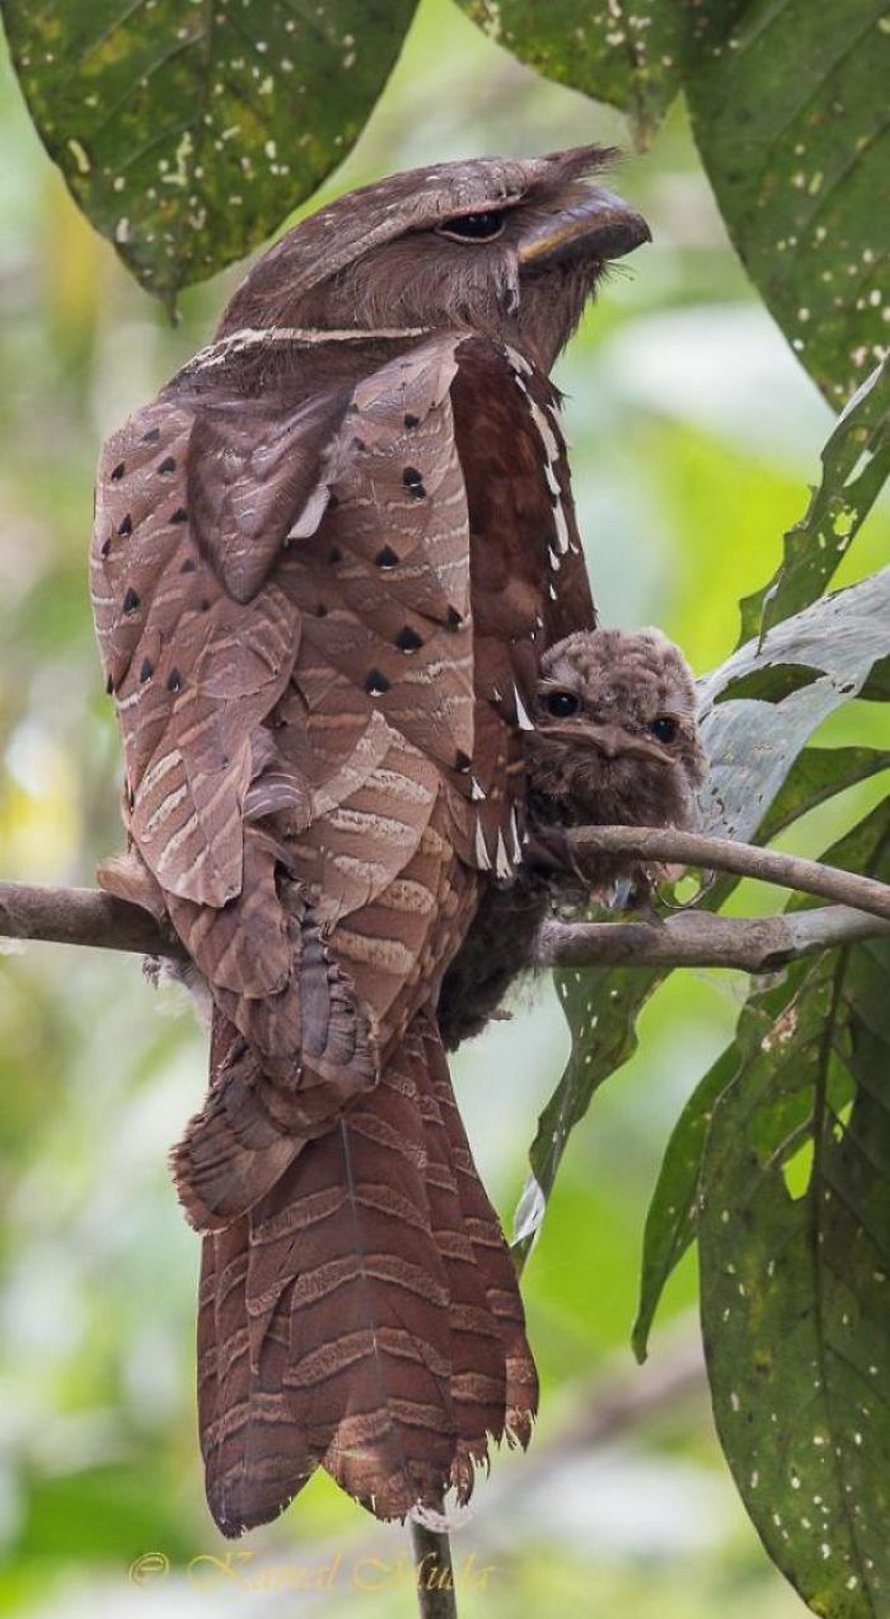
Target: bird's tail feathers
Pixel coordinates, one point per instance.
(365, 1316)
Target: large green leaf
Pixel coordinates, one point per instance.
(877, 686)
(789, 107)
(794, 1240)
(634, 57)
(187, 131)
(818, 774)
(791, 120)
(855, 467)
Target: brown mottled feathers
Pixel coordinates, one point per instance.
(328, 559)
(425, 1349)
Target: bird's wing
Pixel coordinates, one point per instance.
(193, 672)
(314, 773)
(196, 674)
(264, 769)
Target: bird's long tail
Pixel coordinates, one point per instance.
(364, 1315)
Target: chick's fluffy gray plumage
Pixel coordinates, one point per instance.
(615, 743)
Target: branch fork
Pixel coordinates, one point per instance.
(860, 910)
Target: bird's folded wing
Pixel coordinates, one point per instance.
(314, 727)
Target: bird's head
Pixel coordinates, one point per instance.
(615, 738)
(508, 247)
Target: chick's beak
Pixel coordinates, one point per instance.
(609, 741)
(596, 223)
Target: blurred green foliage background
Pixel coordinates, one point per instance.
(694, 436)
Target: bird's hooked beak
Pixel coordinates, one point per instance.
(609, 741)
(596, 223)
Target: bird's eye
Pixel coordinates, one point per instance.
(474, 227)
(664, 728)
(561, 704)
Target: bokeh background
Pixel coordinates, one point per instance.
(695, 434)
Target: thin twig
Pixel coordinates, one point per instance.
(434, 1573)
(724, 854)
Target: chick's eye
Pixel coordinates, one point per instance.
(664, 728)
(561, 704)
(474, 227)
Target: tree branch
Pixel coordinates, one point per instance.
(86, 916)
(744, 859)
(81, 916)
(698, 939)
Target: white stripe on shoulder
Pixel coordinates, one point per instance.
(253, 337)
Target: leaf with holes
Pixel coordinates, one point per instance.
(794, 1240)
(855, 467)
(790, 118)
(634, 57)
(186, 133)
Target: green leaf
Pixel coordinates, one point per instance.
(633, 57)
(187, 132)
(855, 467)
(877, 687)
(752, 743)
(601, 1009)
(790, 117)
(670, 1222)
(794, 1239)
(818, 774)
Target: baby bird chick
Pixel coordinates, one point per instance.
(615, 743)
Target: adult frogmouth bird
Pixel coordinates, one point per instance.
(328, 559)
(615, 743)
